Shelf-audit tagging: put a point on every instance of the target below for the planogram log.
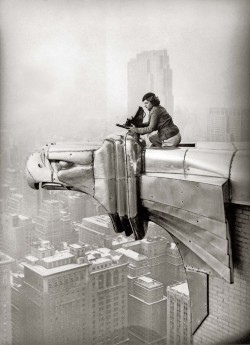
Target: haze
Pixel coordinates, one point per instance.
(64, 63)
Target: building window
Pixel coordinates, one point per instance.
(108, 279)
(100, 281)
(116, 277)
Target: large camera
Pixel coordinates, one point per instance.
(135, 120)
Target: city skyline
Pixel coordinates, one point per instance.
(50, 69)
(64, 78)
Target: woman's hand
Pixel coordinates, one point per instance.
(133, 129)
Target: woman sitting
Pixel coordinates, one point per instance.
(168, 134)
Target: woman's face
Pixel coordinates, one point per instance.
(148, 105)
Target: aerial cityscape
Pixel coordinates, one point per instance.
(70, 72)
(68, 277)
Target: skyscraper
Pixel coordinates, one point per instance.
(150, 72)
(17, 235)
(5, 300)
(73, 296)
(95, 230)
(178, 315)
(176, 272)
(147, 312)
(48, 222)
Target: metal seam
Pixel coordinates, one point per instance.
(229, 176)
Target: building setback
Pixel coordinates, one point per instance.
(150, 72)
(147, 312)
(178, 315)
(5, 300)
(71, 296)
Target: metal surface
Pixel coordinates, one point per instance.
(215, 258)
(198, 287)
(240, 177)
(165, 161)
(206, 199)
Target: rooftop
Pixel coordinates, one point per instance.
(132, 254)
(148, 282)
(181, 288)
(58, 256)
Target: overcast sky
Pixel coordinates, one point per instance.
(67, 60)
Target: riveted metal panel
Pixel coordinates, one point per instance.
(201, 250)
(215, 227)
(198, 236)
(240, 178)
(120, 178)
(201, 198)
(104, 175)
(198, 290)
(165, 160)
(105, 194)
(80, 177)
(104, 161)
(208, 162)
(133, 166)
(76, 154)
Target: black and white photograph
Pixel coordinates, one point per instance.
(125, 172)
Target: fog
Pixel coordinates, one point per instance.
(64, 63)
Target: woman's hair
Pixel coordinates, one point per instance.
(152, 98)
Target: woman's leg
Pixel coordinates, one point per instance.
(154, 139)
(173, 141)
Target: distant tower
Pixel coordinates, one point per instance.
(150, 72)
(5, 300)
(147, 312)
(178, 315)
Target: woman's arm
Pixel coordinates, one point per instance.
(149, 126)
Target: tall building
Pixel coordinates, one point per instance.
(5, 300)
(95, 230)
(147, 312)
(73, 296)
(229, 124)
(138, 265)
(15, 203)
(17, 235)
(150, 72)
(163, 258)
(175, 268)
(18, 310)
(178, 315)
(48, 222)
(13, 178)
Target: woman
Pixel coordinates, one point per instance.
(168, 134)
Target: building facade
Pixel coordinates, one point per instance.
(147, 312)
(71, 296)
(17, 235)
(150, 72)
(5, 300)
(95, 230)
(229, 124)
(178, 315)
